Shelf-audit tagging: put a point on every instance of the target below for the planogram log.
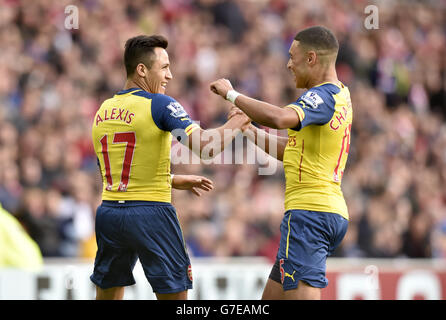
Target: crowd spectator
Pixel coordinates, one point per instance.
(53, 80)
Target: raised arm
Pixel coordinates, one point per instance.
(169, 115)
(271, 144)
(207, 144)
(261, 112)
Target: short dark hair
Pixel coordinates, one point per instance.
(318, 38)
(140, 49)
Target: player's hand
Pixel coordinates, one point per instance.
(236, 112)
(221, 87)
(196, 184)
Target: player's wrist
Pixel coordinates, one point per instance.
(231, 95)
(248, 127)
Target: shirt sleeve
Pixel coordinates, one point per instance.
(315, 106)
(169, 115)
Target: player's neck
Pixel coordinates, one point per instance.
(130, 83)
(328, 75)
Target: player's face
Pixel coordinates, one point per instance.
(159, 74)
(298, 65)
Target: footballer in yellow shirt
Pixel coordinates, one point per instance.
(314, 156)
(132, 134)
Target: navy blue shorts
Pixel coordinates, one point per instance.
(146, 230)
(307, 239)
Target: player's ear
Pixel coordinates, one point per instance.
(141, 70)
(311, 58)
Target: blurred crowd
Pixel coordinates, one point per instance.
(53, 80)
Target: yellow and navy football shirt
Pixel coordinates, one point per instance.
(132, 136)
(317, 150)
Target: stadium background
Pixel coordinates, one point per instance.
(54, 79)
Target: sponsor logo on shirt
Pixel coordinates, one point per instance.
(177, 110)
(312, 99)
